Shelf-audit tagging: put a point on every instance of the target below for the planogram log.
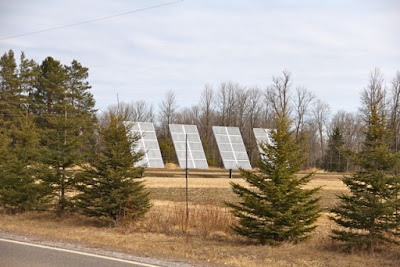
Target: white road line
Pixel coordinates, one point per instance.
(78, 252)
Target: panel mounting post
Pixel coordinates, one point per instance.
(186, 176)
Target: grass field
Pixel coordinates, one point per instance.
(217, 190)
(206, 238)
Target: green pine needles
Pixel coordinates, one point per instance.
(108, 187)
(276, 208)
(334, 159)
(23, 179)
(368, 216)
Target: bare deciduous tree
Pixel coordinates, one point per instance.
(241, 106)
(122, 109)
(253, 120)
(188, 116)
(278, 93)
(142, 112)
(167, 112)
(207, 110)
(321, 112)
(254, 111)
(374, 93)
(302, 104)
(226, 102)
(138, 111)
(206, 121)
(310, 130)
(395, 109)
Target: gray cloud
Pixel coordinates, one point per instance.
(329, 47)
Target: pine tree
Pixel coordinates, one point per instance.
(108, 188)
(28, 74)
(368, 215)
(64, 107)
(57, 99)
(10, 94)
(334, 159)
(23, 184)
(167, 149)
(276, 208)
(82, 107)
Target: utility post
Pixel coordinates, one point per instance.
(186, 176)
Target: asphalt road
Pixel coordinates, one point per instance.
(15, 253)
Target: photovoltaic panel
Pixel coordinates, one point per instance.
(147, 143)
(231, 147)
(196, 156)
(262, 136)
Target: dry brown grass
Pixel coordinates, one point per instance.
(216, 191)
(314, 170)
(207, 221)
(328, 182)
(214, 243)
(206, 236)
(171, 166)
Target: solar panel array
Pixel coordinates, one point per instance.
(229, 141)
(231, 147)
(262, 136)
(147, 143)
(196, 156)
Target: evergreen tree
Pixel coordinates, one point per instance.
(23, 184)
(276, 208)
(334, 159)
(10, 94)
(57, 99)
(167, 149)
(28, 75)
(108, 188)
(82, 107)
(368, 215)
(64, 107)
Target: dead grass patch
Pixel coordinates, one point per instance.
(170, 182)
(171, 166)
(207, 221)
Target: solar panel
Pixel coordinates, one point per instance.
(231, 147)
(262, 136)
(196, 156)
(147, 143)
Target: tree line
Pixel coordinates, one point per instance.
(231, 104)
(49, 128)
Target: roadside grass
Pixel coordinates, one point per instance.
(206, 237)
(205, 221)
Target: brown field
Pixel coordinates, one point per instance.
(215, 191)
(206, 238)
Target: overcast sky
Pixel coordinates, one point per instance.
(330, 48)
